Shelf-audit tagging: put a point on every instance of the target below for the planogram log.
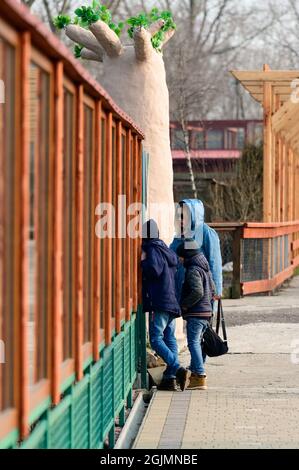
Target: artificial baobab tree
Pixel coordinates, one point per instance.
(135, 77)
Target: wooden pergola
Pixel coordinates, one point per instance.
(278, 93)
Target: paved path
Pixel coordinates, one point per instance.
(253, 395)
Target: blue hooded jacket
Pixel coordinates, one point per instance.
(207, 239)
(158, 278)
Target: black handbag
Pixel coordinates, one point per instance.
(212, 344)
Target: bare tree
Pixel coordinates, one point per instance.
(49, 9)
(213, 34)
(284, 38)
(238, 195)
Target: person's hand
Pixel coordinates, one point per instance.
(143, 255)
(217, 297)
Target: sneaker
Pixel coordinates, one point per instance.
(198, 382)
(183, 378)
(167, 385)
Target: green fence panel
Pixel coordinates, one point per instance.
(60, 423)
(81, 410)
(118, 373)
(38, 438)
(96, 408)
(127, 359)
(108, 392)
(86, 415)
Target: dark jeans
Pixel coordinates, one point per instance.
(163, 341)
(195, 330)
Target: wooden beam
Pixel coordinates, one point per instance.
(23, 383)
(139, 198)
(118, 254)
(267, 152)
(58, 235)
(108, 241)
(128, 253)
(80, 234)
(284, 116)
(97, 241)
(136, 240)
(266, 76)
(267, 285)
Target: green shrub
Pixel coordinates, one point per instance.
(144, 20)
(87, 15)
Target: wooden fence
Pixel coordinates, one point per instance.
(67, 298)
(263, 255)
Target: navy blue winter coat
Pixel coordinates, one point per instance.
(158, 278)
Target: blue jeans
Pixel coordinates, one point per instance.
(195, 330)
(163, 341)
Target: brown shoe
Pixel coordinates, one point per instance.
(183, 378)
(198, 382)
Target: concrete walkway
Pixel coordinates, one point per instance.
(253, 395)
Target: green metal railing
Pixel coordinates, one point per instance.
(86, 416)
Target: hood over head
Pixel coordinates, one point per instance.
(150, 230)
(193, 213)
(150, 238)
(197, 260)
(188, 248)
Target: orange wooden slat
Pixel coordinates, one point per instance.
(108, 241)
(266, 285)
(58, 236)
(8, 422)
(139, 198)
(79, 234)
(97, 241)
(136, 240)
(267, 172)
(128, 240)
(23, 383)
(269, 232)
(118, 251)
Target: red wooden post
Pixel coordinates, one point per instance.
(108, 240)
(23, 385)
(128, 279)
(79, 235)
(58, 236)
(136, 240)
(97, 241)
(139, 197)
(118, 252)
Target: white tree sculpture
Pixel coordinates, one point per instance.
(135, 77)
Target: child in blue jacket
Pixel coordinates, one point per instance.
(159, 266)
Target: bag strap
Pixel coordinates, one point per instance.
(220, 319)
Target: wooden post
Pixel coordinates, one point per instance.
(108, 240)
(276, 184)
(136, 240)
(58, 236)
(97, 241)
(23, 383)
(296, 185)
(267, 150)
(139, 198)
(118, 251)
(236, 286)
(290, 185)
(128, 279)
(283, 182)
(79, 235)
